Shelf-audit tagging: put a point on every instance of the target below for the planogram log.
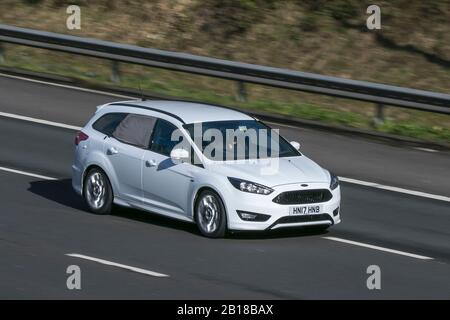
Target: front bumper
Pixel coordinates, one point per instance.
(279, 213)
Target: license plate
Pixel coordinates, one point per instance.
(304, 210)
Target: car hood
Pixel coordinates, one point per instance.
(267, 172)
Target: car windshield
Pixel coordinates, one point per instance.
(239, 140)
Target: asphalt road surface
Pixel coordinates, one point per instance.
(42, 221)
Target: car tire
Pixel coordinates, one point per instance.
(97, 192)
(210, 214)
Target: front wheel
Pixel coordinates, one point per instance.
(97, 192)
(210, 215)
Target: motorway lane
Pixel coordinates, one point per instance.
(394, 220)
(37, 148)
(347, 155)
(41, 221)
(55, 104)
(379, 217)
(363, 159)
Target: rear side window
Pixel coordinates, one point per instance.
(161, 138)
(135, 129)
(108, 122)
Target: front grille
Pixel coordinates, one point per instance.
(303, 196)
(305, 218)
(285, 221)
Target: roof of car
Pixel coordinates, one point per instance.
(188, 112)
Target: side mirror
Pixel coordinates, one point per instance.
(296, 145)
(179, 155)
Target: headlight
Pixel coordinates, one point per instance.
(334, 183)
(248, 186)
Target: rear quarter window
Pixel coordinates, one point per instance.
(107, 123)
(135, 129)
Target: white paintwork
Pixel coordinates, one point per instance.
(295, 144)
(154, 182)
(179, 154)
(189, 112)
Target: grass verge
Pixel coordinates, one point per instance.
(402, 122)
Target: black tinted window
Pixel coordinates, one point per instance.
(109, 122)
(161, 138)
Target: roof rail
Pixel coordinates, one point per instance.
(125, 104)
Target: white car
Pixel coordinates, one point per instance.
(169, 158)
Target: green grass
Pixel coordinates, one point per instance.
(406, 123)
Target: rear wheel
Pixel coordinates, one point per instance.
(210, 214)
(97, 192)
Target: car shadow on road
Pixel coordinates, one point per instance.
(60, 191)
(296, 232)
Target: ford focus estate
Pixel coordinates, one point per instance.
(213, 166)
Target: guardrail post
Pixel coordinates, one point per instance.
(241, 92)
(2, 53)
(379, 114)
(115, 72)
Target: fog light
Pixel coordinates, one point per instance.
(248, 216)
(336, 212)
(252, 216)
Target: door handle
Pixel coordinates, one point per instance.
(112, 150)
(150, 163)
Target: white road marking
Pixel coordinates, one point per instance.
(426, 149)
(41, 121)
(118, 265)
(27, 174)
(412, 255)
(62, 125)
(68, 86)
(396, 189)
